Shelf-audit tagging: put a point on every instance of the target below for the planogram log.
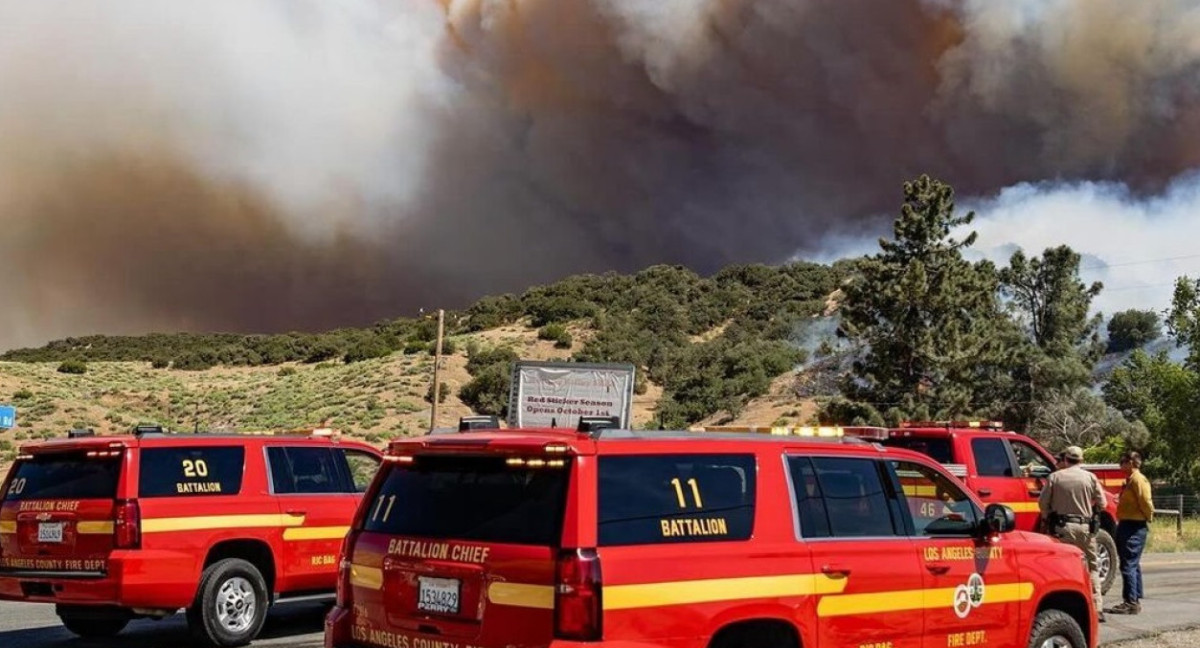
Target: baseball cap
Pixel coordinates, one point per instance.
(1074, 453)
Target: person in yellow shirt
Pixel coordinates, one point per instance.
(1135, 511)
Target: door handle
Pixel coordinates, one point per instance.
(835, 570)
(984, 492)
(937, 568)
(1035, 493)
(295, 512)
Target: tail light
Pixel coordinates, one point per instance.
(343, 576)
(577, 605)
(127, 531)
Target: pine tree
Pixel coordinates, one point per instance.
(1062, 342)
(928, 321)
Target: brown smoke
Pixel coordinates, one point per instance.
(284, 164)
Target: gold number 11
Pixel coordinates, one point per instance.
(695, 492)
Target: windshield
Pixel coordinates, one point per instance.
(470, 498)
(64, 475)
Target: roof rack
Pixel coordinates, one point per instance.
(80, 432)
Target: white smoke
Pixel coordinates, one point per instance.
(315, 102)
(1136, 245)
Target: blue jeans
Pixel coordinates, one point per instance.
(1131, 540)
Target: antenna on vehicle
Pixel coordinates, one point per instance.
(553, 422)
(662, 422)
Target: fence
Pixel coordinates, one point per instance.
(1172, 503)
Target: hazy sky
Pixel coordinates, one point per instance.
(283, 164)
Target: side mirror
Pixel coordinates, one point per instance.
(1040, 472)
(998, 518)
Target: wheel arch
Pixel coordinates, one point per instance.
(1074, 604)
(254, 551)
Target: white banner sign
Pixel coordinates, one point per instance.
(559, 393)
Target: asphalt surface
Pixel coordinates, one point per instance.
(1172, 602)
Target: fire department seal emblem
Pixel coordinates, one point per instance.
(969, 596)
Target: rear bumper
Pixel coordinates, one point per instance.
(338, 634)
(151, 579)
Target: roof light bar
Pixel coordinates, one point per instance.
(982, 425)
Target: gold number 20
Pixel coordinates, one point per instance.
(197, 468)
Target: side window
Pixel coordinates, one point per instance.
(991, 458)
(655, 499)
(362, 467)
(1028, 458)
(305, 470)
(936, 505)
(806, 493)
(191, 470)
(855, 500)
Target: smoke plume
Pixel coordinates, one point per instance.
(279, 164)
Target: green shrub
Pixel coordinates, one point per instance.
(285, 372)
(484, 358)
(22, 394)
(414, 346)
(193, 362)
(449, 347)
(556, 333)
(373, 347)
(73, 367)
(160, 363)
(443, 393)
(487, 392)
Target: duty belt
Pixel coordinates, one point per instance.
(1077, 519)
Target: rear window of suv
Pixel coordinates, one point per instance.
(191, 470)
(486, 499)
(651, 499)
(64, 475)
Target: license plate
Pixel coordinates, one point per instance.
(50, 532)
(439, 595)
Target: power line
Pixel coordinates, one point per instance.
(1142, 262)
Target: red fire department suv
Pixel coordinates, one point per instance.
(551, 537)
(111, 528)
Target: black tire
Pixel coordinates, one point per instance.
(215, 617)
(90, 627)
(1050, 624)
(1106, 545)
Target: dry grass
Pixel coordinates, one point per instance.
(1165, 538)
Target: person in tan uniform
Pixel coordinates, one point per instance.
(1069, 503)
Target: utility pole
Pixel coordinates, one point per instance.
(437, 365)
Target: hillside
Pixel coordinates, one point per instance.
(375, 399)
(705, 348)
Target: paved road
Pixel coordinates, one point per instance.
(1172, 586)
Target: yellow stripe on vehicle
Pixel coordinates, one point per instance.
(208, 522)
(1113, 482)
(920, 491)
(906, 600)
(8, 526)
(522, 595)
(366, 577)
(1022, 507)
(94, 527)
(620, 597)
(316, 533)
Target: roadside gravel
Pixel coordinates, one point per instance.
(1174, 639)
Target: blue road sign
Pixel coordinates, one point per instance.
(8, 417)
